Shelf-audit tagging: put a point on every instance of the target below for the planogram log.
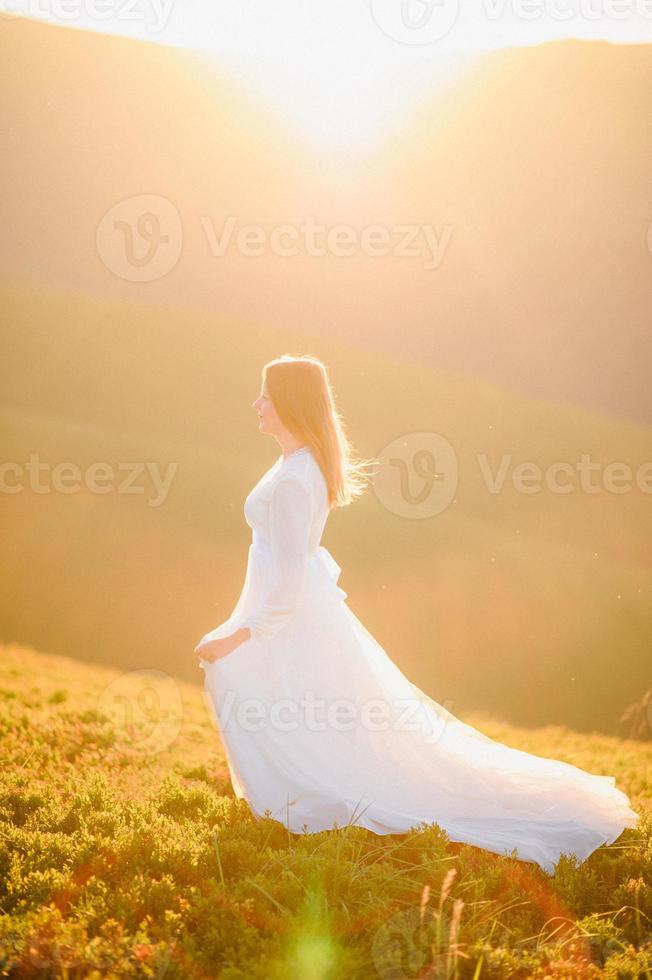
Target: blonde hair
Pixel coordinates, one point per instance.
(303, 398)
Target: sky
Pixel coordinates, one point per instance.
(342, 69)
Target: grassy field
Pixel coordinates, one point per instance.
(124, 852)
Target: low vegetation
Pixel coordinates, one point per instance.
(124, 853)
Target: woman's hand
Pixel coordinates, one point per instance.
(222, 647)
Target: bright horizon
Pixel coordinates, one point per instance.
(340, 73)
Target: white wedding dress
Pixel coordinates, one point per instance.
(321, 728)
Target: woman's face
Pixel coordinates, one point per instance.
(268, 419)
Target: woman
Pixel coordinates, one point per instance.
(320, 727)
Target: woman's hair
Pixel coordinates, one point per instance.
(302, 396)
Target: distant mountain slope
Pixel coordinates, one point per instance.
(537, 160)
(532, 606)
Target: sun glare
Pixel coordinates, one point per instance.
(343, 72)
(337, 98)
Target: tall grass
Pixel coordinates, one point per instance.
(121, 857)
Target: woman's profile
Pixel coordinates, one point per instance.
(320, 727)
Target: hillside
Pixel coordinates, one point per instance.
(123, 852)
(529, 342)
(537, 161)
(512, 603)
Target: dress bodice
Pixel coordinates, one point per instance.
(287, 511)
(297, 467)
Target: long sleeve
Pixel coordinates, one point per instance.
(290, 519)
